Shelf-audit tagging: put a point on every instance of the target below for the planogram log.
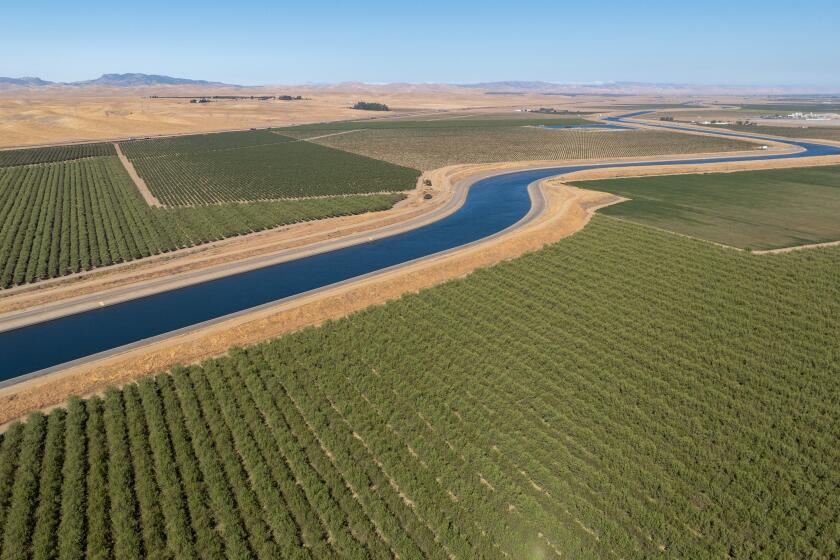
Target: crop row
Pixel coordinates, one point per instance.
(268, 171)
(63, 218)
(622, 394)
(28, 156)
(177, 467)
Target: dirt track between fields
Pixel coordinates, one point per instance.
(797, 248)
(567, 210)
(138, 181)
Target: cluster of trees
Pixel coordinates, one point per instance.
(251, 97)
(61, 218)
(207, 98)
(548, 111)
(370, 106)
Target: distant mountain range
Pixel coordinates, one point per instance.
(132, 80)
(498, 88)
(116, 80)
(513, 87)
(25, 81)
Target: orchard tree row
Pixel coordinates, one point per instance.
(62, 218)
(625, 393)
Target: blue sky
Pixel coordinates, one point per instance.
(739, 42)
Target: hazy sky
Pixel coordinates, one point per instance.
(741, 42)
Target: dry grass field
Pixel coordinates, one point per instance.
(36, 120)
(64, 115)
(54, 115)
(423, 148)
(30, 116)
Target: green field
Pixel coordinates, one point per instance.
(811, 132)
(643, 106)
(625, 393)
(431, 148)
(256, 165)
(60, 218)
(749, 209)
(508, 115)
(199, 143)
(492, 121)
(28, 156)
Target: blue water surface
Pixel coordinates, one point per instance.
(492, 205)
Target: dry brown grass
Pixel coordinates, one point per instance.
(32, 116)
(54, 115)
(26, 121)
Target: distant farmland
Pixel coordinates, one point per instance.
(9, 158)
(748, 209)
(256, 165)
(815, 132)
(477, 121)
(795, 107)
(625, 393)
(431, 148)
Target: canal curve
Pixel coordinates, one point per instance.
(492, 206)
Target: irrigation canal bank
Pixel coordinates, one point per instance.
(492, 206)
